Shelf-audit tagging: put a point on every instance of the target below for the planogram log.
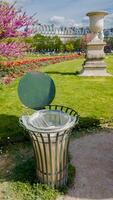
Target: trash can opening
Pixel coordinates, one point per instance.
(48, 120)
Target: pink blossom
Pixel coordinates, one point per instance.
(14, 23)
(12, 49)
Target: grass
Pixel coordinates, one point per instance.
(18, 175)
(91, 97)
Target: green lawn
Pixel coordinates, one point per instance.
(91, 97)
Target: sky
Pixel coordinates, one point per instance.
(66, 12)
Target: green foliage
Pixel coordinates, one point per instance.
(26, 191)
(57, 43)
(77, 44)
(73, 45)
(2, 58)
(46, 43)
(24, 177)
(28, 40)
(71, 174)
(40, 43)
(109, 42)
(8, 40)
(69, 47)
(62, 48)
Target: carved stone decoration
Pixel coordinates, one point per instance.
(94, 64)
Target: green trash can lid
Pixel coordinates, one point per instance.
(36, 90)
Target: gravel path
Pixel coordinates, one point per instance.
(93, 158)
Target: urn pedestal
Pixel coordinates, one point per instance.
(94, 64)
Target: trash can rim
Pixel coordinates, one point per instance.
(58, 129)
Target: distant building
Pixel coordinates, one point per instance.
(67, 33)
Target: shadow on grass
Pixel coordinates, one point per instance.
(23, 169)
(22, 183)
(88, 122)
(25, 172)
(63, 73)
(10, 131)
(86, 126)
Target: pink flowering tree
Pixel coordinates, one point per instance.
(14, 24)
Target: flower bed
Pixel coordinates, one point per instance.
(9, 70)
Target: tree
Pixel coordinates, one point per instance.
(13, 24)
(41, 42)
(69, 46)
(109, 42)
(77, 44)
(57, 43)
(62, 48)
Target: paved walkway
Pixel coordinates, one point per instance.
(93, 158)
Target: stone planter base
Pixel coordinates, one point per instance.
(94, 68)
(94, 72)
(94, 64)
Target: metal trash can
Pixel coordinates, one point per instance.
(49, 127)
(50, 138)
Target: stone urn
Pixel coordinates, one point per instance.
(94, 64)
(97, 25)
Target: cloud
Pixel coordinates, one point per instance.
(77, 9)
(66, 12)
(61, 20)
(109, 21)
(57, 20)
(72, 22)
(85, 21)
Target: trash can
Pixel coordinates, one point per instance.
(49, 130)
(49, 127)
